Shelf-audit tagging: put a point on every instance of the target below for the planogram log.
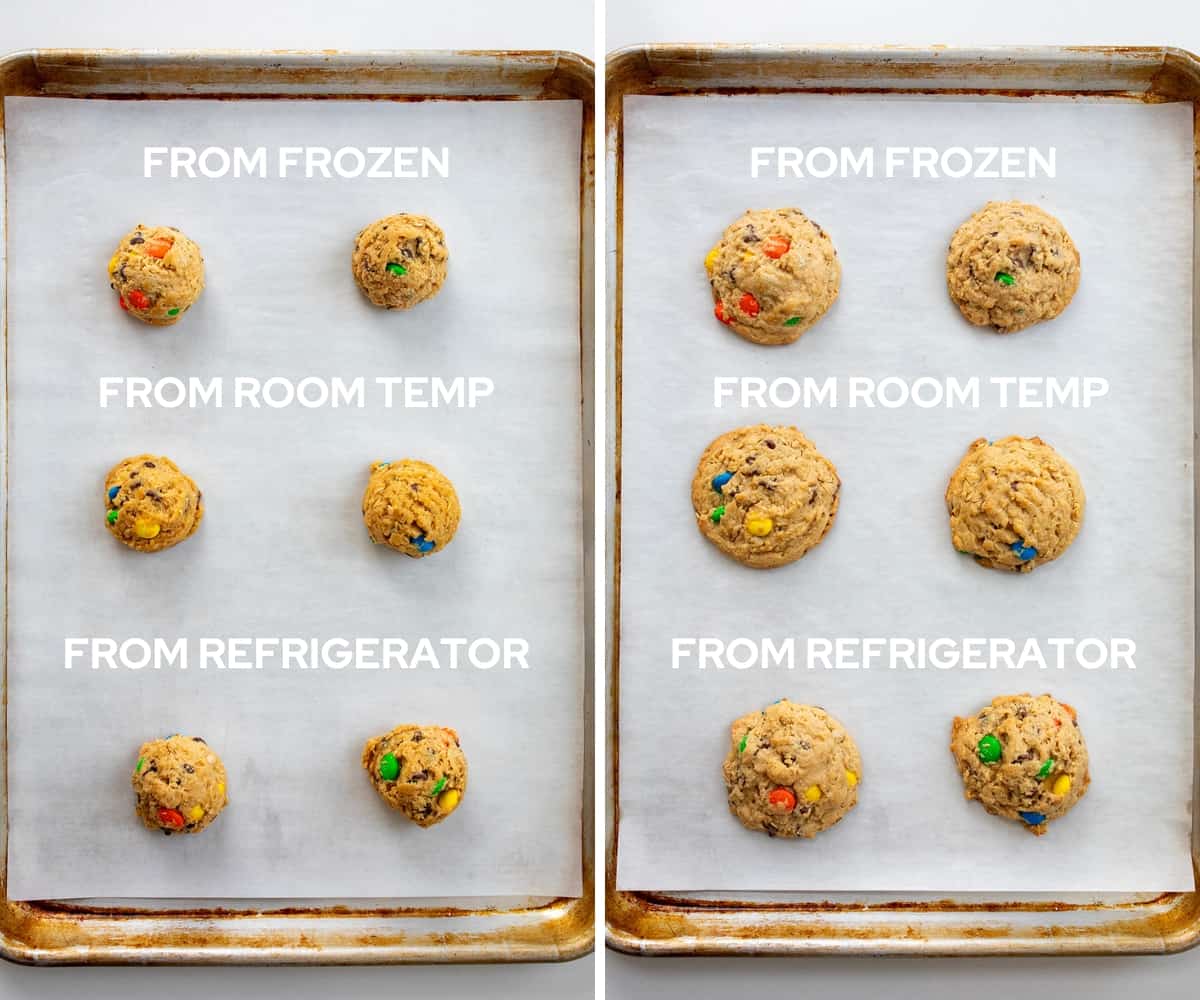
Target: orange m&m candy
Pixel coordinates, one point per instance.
(776, 246)
(748, 304)
(783, 799)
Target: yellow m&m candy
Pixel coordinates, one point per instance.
(1062, 785)
(710, 259)
(143, 527)
(812, 793)
(851, 778)
(760, 527)
(195, 813)
(449, 799)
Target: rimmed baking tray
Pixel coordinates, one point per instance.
(654, 923)
(322, 931)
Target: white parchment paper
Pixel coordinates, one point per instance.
(282, 550)
(1124, 191)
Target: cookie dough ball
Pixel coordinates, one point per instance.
(400, 260)
(157, 273)
(764, 495)
(420, 771)
(773, 275)
(179, 783)
(1023, 758)
(792, 770)
(151, 504)
(1011, 265)
(410, 506)
(1014, 503)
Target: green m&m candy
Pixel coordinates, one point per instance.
(989, 749)
(1045, 769)
(389, 767)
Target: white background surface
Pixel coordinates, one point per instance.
(887, 567)
(561, 24)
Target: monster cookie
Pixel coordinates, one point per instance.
(1014, 503)
(157, 273)
(1023, 758)
(419, 770)
(773, 275)
(1011, 265)
(151, 504)
(792, 770)
(764, 495)
(410, 506)
(179, 783)
(400, 261)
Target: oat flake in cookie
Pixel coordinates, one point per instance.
(792, 770)
(773, 274)
(400, 260)
(411, 507)
(180, 784)
(420, 771)
(1014, 503)
(151, 505)
(1011, 265)
(1023, 758)
(764, 495)
(157, 273)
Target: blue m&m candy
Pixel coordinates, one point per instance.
(1024, 552)
(1032, 818)
(113, 491)
(720, 479)
(423, 544)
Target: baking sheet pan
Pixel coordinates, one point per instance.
(526, 922)
(747, 922)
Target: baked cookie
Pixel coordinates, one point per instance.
(400, 260)
(179, 783)
(151, 504)
(419, 770)
(1014, 503)
(157, 273)
(410, 506)
(792, 770)
(764, 495)
(1023, 758)
(773, 274)
(1011, 265)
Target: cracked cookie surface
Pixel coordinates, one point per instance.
(773, 274)
(157, 273)
(179, 783)
(1011, 265)
(792, 770)
(1014, 503)
(1022, 757)
(420, 771)
(151, 504)
(411, 507)
(764, 495)
(400, 260)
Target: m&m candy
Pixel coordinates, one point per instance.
(989, 749)
(782, 798)
(172, 818)
(389, 767)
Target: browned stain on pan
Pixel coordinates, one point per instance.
(662, 923)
